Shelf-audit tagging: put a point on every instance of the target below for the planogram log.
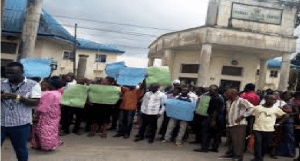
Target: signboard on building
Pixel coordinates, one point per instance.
(256, 13)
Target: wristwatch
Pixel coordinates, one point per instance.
(18, 98)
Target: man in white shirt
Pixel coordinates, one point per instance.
(235, 108)
(151, 111)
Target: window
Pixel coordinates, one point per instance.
(189, 68)
(188, 81)
(234, 71)
(274, 73)
(100, 58)
(9, 48)
(68, 55)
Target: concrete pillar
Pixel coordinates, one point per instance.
(30, 28)
(81, 66)
(150, 61)
(212, 11)
(262, 73)
(204, 78)
(284, 72)
(168, 60)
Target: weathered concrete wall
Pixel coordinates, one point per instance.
(198, 36)
(286, 28)
(219, 59)
(46, 48)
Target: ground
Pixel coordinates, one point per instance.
(82, 148)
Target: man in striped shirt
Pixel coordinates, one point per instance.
(236, 107)
(18, 95)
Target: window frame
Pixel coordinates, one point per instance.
(273, 74)
(235, 75)
(99, 57)
(181, 68)
(16, 49)
(69, 56)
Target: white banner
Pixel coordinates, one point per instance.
(255, 13)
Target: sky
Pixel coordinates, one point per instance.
(142, 22)
(132, 24)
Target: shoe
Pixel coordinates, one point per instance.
(111, 128)
(178, 143)
(151, 140)
(195, 142)
(126, 136)
(226, 156)
(103, 135)
(138, 139)
(137, 136)
(78, 133)
(118, 135)
(273, 157)
(213, 150)
(200, 150)
(64, 134)
(91, 134)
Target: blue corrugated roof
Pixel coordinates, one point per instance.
(89, 45)
(14, 17)
(276, 63)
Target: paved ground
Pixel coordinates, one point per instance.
(82, 148)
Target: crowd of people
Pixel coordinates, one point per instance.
(269, 118)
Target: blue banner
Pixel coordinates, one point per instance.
(113, 69)
(36, 67)
(131, 76)
(180, 110)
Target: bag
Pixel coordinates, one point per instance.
(75, 96)
(180, 110)
(203, 106)
(158, 75)
(101, 94)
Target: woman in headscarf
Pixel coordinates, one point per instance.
(47, 117)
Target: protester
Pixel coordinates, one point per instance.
(212, 124)
(130, 96)
(18, 96)
(236, 107)
(173, 122)
(47, 116)
(296, 102)
(151, 111)
(265, 118)
(176, 83)
(164, 125)
(287, 146)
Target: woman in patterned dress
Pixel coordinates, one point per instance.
(47, 117)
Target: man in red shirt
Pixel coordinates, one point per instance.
(250, 95)
(130, 97)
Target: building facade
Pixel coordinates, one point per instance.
(238, 37)
(53, 41)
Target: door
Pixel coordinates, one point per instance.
(229, 83)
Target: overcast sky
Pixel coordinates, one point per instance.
(166, 15)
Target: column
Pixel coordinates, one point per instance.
(204, 77)
(82, 66)
(150, 61)
(284, 72)
(168, 60)
(262, 73)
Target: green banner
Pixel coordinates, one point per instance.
(75, 96)
(203, 106)
(101, 94)
(158, 75)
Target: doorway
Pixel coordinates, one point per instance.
(229, 83)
